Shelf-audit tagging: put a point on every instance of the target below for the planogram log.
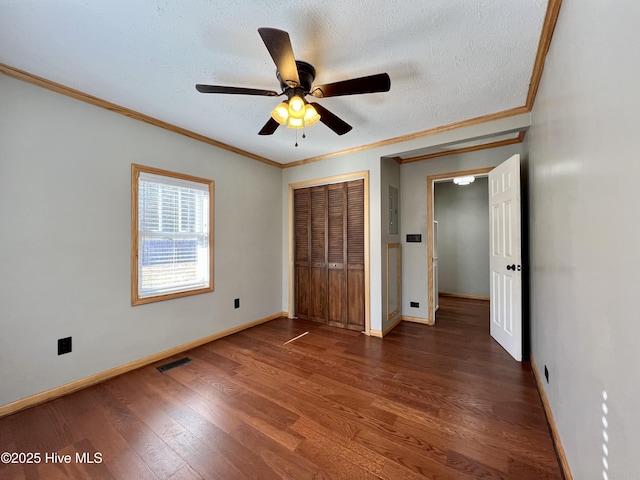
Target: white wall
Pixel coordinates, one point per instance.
(585, 234)
(65, 236)
(462, 212)
(413, 177)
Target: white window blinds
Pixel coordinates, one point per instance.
(173, 235)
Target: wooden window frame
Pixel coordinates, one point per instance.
(210, 184)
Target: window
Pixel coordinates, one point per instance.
(172, 235)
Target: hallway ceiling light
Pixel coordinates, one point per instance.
(464, 180)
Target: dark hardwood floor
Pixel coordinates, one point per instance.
(443, 402)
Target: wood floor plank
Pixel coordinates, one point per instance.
(281, 460)
(186, 473)
(395, 471)
(333, 461)
(274, 428)
(436, 402)
(421, 459)
(305, 406)
(357, 453)
(85, 463)
(160, 458)
(206, 461)
(127, 465)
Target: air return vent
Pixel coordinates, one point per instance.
(177, 363)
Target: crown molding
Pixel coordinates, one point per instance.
(127, 112)
(551, 17)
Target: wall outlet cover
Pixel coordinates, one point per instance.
(64, 345)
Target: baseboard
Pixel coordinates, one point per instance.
(464, 295)
(393, 325)
(562, 458)
(424, 321)
(382, 333)
(62, 390)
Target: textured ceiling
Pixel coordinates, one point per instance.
(449, 61)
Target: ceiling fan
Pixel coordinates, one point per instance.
(296, 81)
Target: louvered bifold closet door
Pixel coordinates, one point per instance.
(329, 254)
(302, 227)
(355, 255)
(337, 253)
(318, 275)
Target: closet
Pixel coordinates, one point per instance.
(329, 254)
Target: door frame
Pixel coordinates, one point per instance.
(431, 180)
(325, 181)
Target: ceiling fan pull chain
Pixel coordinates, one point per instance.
(296, 137)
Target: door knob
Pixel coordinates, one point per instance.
(511, 267)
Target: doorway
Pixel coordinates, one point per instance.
(505, 253)
(461, 227)
(431, 181)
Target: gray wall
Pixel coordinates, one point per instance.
(462, 213)
(585, 235)
(413, 199)
(65, 232)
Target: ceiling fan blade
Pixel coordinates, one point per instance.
(279, 46)
(235, 90)
(332, 121)
(269, 127)
(370, 84)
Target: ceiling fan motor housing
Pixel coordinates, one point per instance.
(306, 74)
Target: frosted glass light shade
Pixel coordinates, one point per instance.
(281, 113)
(311, 116)
(295, 123)
(296, 107)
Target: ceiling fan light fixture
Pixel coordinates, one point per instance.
(295, 122)
(296, 107)
(281, 113)
(464, 180)
(311, 116)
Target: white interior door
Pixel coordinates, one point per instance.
(505, 262)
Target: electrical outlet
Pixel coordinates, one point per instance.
(415, 304)
(546, 373)
(236, 303)
(64, 345)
